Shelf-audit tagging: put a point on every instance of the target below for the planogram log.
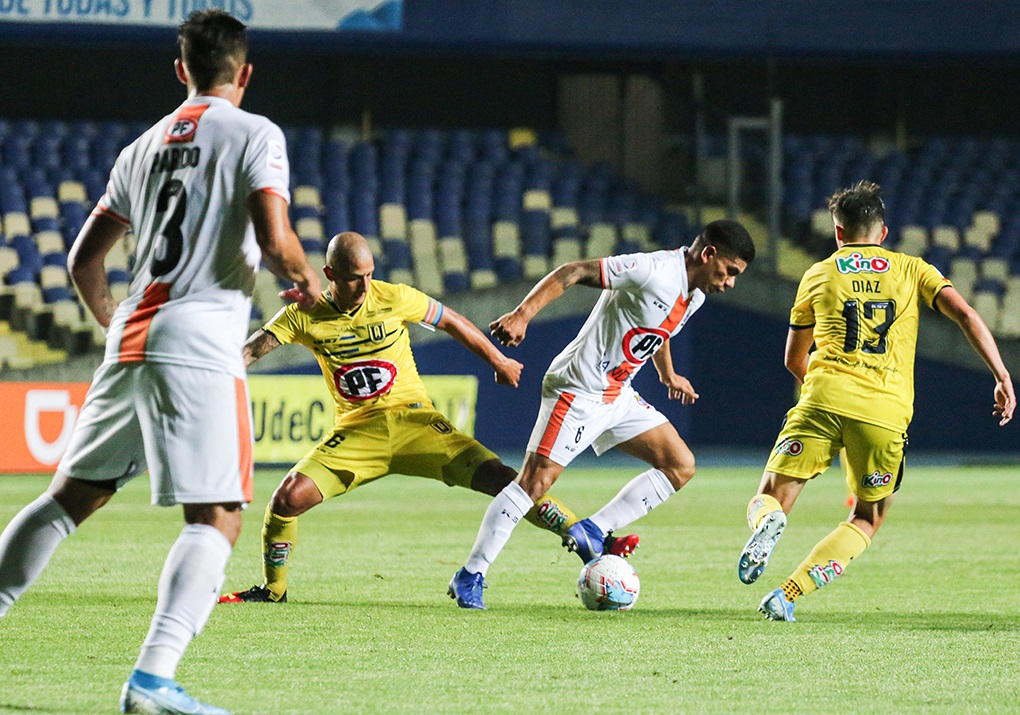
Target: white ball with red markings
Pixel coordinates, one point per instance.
(608, 583)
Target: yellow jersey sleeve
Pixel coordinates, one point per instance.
(288, 325)
(802, 315)
(414, 306)
(930, 283)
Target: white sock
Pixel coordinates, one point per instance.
(638, 497)
(27, 544)
(188, 588)
(507, 508)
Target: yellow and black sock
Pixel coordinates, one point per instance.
(279, 534)
(759, 507)
(552, 514)
(827, 560)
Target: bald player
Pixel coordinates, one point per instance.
(385, 422)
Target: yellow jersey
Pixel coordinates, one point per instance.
(863, 303)
(365, 354)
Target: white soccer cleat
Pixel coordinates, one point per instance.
(759, 547)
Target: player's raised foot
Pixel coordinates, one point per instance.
(145, 693)
(466, 589)
(759, 547)
(776, 607)
(622, 546)
(587, 541)
(255, 594)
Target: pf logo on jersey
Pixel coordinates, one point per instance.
(182, 129)
(365, 379)
(639, 344)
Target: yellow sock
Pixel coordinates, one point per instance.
(827, 560)
(552, 514)
(759, 507)
(279, 534)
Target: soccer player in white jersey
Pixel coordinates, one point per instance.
(205, 192)
(586, 394)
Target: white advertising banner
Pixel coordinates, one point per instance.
(257, 14)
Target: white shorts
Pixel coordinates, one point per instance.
(190, 427)
(567, 423)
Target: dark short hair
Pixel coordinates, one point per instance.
(730, 238)
(858, 208)
(213, 45)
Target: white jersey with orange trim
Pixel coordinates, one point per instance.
(645, 301)
(182, 187)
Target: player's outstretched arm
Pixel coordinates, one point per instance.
(85, 263)
(511, 328)
(508, 371)
(281, 250)
(258, 344)
(679, 387)
(953, 305)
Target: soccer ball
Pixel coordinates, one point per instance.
(608, 583)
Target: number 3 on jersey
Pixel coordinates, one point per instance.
(170, 240)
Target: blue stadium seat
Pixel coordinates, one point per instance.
(73, 216)
(455, 282)
(398, 254)
(507, 269)
(56, 258)
(535, 233)
(57, 294)
(118, 276)
(19, 274)
(364, 213)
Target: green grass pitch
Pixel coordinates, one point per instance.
(926, 621)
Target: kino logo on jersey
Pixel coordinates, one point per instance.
(876, 479)
(857, 263)
(365, 380)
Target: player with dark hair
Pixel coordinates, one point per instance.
(205, 191)
(385, 422)
(586, 394)
(860, 307)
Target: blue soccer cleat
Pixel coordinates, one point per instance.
(586, 540)
(145, 693)
(759, 547)
(466, 589)
(776, 607)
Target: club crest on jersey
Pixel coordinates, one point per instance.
(639, 344)
(857, 263)
(365, 379)
(377, 332)
(792, 447)
(442, 427)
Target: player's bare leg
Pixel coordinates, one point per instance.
(295, 495)
(548, 513)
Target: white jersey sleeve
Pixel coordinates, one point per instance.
(631, 271)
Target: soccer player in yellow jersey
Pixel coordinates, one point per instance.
(385, 422)
(860, 308)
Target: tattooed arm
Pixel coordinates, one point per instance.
(258, 345)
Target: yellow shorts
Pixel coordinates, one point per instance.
(812, 437)
(418, 442)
